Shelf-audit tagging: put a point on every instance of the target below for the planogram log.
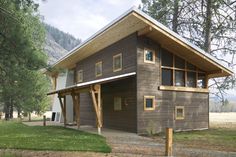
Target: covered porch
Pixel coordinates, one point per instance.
(91, 88)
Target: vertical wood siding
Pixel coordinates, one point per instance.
(126, 118)
(148, 80)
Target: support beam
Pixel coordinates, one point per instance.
(145, 30)
(76, 104)
(96, 90)
(63, 107)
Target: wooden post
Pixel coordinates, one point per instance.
(63, 107)
(96, 89)
(44, 120)
(169, 141)
(76, 103)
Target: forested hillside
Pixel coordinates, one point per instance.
(58, 43)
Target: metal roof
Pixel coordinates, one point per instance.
(158, 24)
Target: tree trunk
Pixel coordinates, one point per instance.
(29, 114)
(208, 25)
(6, 111)
(175, 16)
(11, 109)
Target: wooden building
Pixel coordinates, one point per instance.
(135, 75)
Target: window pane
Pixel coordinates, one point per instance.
(149, 103)
(179, 78)
(117, 62)
(167, 59)
(167, 77)
(179, 112)
(201, 83)
(149, 55)
(98, 69)
(179, 62)
(191, 79)
(80, 76)
(190, 66)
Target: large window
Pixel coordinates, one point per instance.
(176, 71)
(117, 62)
(98, 69)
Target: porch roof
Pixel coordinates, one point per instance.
(82, 86)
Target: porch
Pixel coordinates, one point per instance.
(92, 103)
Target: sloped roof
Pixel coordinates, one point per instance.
(134, 20)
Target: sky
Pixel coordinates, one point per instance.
(82, 18)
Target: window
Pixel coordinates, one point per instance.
(80, 76)
(176, 71)
(149, 56)
(117, 104)
(179, 78)
(190, 67)
(191, 79)
(167, 77)
(98, 69)
(167, 59)
(201, 83)
(179, 112)
(149, 102)
(117, 62)
(179, 63)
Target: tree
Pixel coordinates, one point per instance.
(210, 24)
(21, 50)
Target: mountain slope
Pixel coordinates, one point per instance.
(58, 43)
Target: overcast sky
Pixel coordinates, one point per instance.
(82, 18)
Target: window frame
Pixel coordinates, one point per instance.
(185, 70)
(97, 64)
(153, 102)
(82, 77)
(183, 116)
(121, 60)
(114, 108)
(154, 56)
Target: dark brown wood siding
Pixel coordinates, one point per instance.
(148, 81)
(126, 46)
(126, 118)
(87, 114)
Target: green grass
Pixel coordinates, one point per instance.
(15, 135)
(218, 138)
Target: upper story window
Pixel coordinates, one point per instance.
(149, 56)
(176, 71)
(117, 62)
(98, 69)
(79, 76)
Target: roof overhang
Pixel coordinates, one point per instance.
(133, 21)
(83, 87)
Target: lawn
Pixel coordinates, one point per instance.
(15, 135)
(221, 139)
(218, 139)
